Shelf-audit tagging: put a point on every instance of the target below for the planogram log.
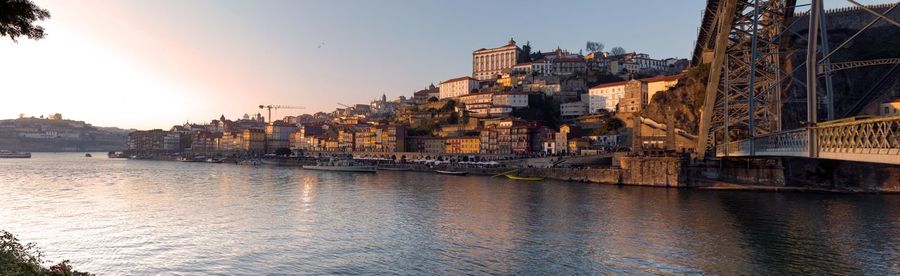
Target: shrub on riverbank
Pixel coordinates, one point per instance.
(25, 259)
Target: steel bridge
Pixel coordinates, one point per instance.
(747, 45)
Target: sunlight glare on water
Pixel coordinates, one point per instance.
(117, 217)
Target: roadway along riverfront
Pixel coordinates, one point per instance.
(127, 217)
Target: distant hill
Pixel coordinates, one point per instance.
(39, 134)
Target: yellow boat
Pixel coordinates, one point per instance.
(513, 177)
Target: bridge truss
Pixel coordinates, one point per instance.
(750, 67)
(746, 72)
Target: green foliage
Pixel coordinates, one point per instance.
(19, 259)
(540, 108)
(454, 118)
(593, 46)
(17, 19)
(617, 51)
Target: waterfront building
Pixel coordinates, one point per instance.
(278, 135)
(364, 139)
(172, 142)
(346, 139)
(457, 87)
(605, 96)
(425, 144)
(576, 145)
(609, 140)
(203, 141)
(390, 138)
(253, 141)
(307, 137)
(561, 139)
(231, 141)
(463, 145)
(332, 144)
(487, 64)
(508, 136)
(146, 141)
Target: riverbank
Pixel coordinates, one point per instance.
(656, 171)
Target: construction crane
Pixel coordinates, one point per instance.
(270, 107)
(344, 105)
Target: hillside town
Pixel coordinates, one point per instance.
(56, 134)
(515, 102)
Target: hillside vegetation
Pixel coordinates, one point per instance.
(683, 101)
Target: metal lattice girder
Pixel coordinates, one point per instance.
(836, 66)
(874, 140)
(746, 70)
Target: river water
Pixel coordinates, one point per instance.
(152, 217)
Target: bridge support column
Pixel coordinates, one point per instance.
(812, 102)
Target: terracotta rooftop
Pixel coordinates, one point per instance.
(662, 78)
(611, 84)
(458, 79)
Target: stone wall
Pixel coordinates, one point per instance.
(641, 171)
(653, 171)
(842, 175)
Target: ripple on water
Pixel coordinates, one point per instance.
(143, 217)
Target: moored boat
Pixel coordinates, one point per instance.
(513, 177)
(215, 160)
(88, 155)
(193, 159)
(116, 154)
(13, 154)
(451, 172)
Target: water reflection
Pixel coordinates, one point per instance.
(142, 217)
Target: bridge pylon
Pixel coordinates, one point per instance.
(747, 71)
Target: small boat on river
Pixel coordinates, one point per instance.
(13, 154)
(88, 155)
(340, 166)
(215, 160)
(451, 172)
(513, 177)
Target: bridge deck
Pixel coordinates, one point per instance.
(874, 140)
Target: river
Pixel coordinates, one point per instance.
(114, 217)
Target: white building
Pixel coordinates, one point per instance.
(575, 109)
(457, 87)
(488, 63)
(477, 98)
(890, 108)
(172, 141)
(511, 99)
(540, 67)
(605, 96)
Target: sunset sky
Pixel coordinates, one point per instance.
(152, 64)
